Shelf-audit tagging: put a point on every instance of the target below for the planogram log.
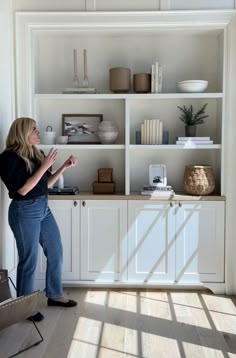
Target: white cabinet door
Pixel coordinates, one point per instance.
(67, 215)
(151, 242)
(200, 242)
(104, 240)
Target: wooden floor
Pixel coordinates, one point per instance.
(130, 324)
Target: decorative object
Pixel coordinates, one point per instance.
(75, 76)
(107, 132)
(199, 179)
(191, 120)
(105, 175)
(105, 183)
(62, 139)
(76, 89)
(85, 78)
(165, 137)
(157, 175)
(119, 79)
(142, 82)
(192, 86)
(138, 137)
(48, 137)
(103, 188)
(81, 128)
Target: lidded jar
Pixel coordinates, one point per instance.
(107, 132)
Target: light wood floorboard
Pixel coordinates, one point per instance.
(130, 324)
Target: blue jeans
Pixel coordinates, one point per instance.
(32, 224)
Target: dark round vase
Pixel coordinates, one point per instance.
(190, 131)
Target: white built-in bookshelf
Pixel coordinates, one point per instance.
(187, 46)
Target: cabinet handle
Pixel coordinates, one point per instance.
(83, 203)
(171, 204)
(75, 203)
(180, 204)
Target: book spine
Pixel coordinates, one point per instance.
(193, 138)
(194, 142)
(160, 132)
(142, 133)
(156, 77)
(153, 75)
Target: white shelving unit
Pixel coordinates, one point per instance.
(187, 45)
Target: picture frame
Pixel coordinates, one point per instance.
(81, 128)
(157, 175)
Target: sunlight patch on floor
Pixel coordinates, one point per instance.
(123, 301)
(88, 330)
(153, 305)
(96, 297)
(159, 346)
(120, 338)
(213, 303)
(194, 350)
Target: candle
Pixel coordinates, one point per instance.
(85, 63)
(75, 63)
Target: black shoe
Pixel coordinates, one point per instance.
(69, 303)
(37, 317)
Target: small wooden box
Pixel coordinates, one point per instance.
(103, 188)
(105, 175)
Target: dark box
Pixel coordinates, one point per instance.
(103, 188)
(105, 175)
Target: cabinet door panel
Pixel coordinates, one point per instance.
(151, 242)
(104, 243)
(200, 242)
(68, 219)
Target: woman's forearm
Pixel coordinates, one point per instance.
(32, 181)
(55, 176)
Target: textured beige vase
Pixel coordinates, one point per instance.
(142, 82)
(199, 179)
(120, 79)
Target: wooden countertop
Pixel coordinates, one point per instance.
(136, 196)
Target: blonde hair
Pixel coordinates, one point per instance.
(18, 141)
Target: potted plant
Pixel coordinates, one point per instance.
(191, 119)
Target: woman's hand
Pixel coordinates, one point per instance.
(70, 162)
(50, 158)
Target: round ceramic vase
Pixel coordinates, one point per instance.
(107, 132)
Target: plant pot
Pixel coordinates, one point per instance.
(190, 131)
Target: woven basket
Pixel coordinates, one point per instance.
(199, 179)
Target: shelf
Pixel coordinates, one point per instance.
(128, 96)
(82, 146)
(174, 146)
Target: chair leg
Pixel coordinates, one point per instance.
(32, 345)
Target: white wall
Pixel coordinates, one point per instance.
(7, 109)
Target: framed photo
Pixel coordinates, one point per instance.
(81, 128)
(157, 175)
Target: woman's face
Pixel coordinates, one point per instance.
(34, 136)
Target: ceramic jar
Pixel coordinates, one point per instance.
(120, 79)
(142, 82)
(48, 137)
(107, 132)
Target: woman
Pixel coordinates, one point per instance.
(25, 172)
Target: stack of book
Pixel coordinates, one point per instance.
(79, 90)
(151, 131)
(188, 141)
(156, 78)
(165, 190)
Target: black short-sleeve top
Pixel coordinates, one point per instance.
(14, 174)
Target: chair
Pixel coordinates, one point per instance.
(17, 309)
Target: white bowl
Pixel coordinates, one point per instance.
(192, 86)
